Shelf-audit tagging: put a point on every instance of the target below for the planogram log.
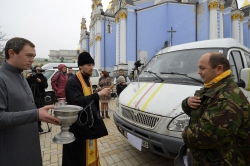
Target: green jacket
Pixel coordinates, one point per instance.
(219, 130)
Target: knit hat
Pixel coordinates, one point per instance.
(85, 58)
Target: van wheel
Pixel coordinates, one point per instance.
(49, 98)
(94, 87)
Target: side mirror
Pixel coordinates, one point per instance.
(245, 77)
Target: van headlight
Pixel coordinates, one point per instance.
(179, 123)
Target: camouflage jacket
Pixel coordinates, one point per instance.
(219, 130)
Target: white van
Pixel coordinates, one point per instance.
(55, 65)
(49, 73)
(151, 109)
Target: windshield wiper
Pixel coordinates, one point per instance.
(182, 75)
(155, 75)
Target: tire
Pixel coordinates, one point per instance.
(49, 98)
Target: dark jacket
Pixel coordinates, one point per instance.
(38, 89)
(74, 153)
(219, 130)
(41, 86)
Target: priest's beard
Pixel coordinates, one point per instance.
(87, 74)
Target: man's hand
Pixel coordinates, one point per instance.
(38, 80)
(44, 116)
(104, 92)
(193, 102)
(28, 75)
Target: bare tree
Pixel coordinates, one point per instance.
(3, 38)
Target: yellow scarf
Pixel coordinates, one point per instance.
(218, 78)
(92, 154)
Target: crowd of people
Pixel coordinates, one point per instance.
(218, 133)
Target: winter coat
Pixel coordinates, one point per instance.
(219, 130)
(59, 82)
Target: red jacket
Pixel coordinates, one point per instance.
(61, 82)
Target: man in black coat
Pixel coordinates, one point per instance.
(89, 126)
(38, 84)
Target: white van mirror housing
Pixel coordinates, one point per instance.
(245, 76)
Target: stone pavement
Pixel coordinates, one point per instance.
(114, 149)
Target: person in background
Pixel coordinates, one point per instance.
(89, 126)
(19, 135)
(104, 82)
(121, 86)
(38, 84)
(219, 130)
(59, 81)
(70, 72)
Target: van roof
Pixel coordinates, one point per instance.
(215, 43)
(55, 65)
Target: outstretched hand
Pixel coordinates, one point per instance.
(104, 92)
(44, 116)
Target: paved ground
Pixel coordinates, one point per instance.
(114, 149)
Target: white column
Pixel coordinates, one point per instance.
(123, 54)
(98, 26)
(117, 40)
(84, 45)
(235, 16)
(221, 19)
(98, 52)
(91, 48)
(241, 28)
(213, 28)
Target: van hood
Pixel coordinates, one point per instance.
(156, 98)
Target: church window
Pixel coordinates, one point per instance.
(109, 28)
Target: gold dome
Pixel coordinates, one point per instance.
(109, 6)
(246, 3)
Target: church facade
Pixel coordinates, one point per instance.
(130, 30)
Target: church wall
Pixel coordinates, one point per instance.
(227, 23)
(152, 29)
(182, 18)
(131, 37)
(138, 6)
(246, 34)
(109, 50)
(153, 32)
(203, 21)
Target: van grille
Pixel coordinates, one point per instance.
(139, 118)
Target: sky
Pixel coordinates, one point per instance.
(49, 24)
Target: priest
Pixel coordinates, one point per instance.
(89, 125)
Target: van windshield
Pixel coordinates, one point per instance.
(182, 62)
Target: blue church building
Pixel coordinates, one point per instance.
(129, 30)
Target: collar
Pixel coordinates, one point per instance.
(11, 68)
(211, 92)
(218, 79)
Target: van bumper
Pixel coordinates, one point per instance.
(157, 143)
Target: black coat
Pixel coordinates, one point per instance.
(74, 153)
(38, 89)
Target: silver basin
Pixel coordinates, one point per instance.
(68, 114)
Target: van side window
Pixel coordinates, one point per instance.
(248, 59)
(236, 64)
(95, 73)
